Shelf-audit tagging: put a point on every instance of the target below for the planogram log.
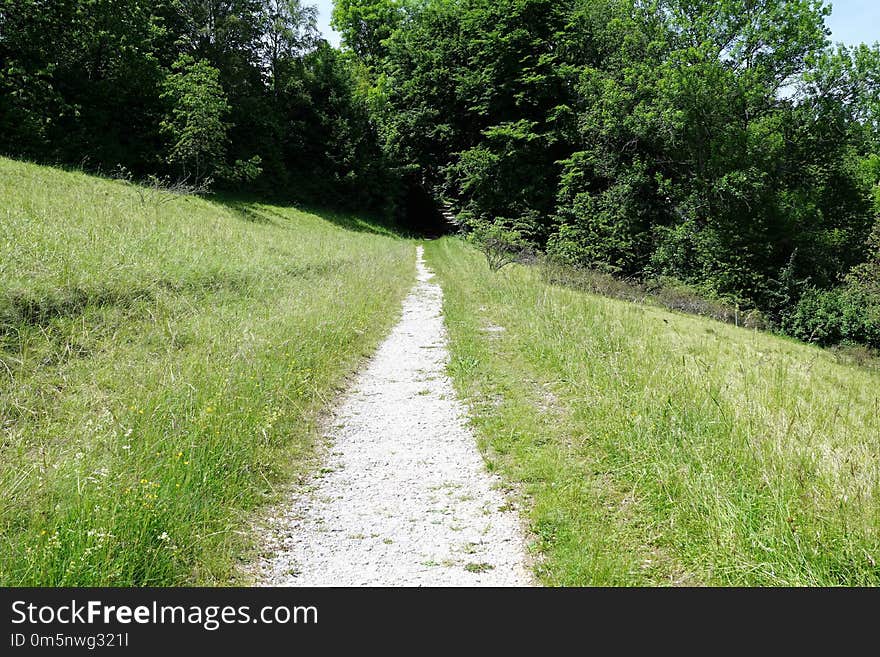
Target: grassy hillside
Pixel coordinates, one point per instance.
(162, 363)
(662, 448)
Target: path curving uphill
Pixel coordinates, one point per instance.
(404, 498)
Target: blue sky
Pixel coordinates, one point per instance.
(324, 9)
(851, 21)
(855, 21)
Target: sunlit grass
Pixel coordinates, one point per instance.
(661, 448)
(163, 362)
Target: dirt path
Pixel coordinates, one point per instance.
(405, 499)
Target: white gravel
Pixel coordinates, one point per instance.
(404, 498)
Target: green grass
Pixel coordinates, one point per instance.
(164, 361)
(659, 448)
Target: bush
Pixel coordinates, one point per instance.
(196, 123)
(500, 244)
(843, 314)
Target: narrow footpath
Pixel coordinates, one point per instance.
(404, 498)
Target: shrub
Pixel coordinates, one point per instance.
(843, 314)
(196, 122)
(500, 244)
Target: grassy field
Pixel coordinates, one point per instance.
(163, 361)
(659, 448)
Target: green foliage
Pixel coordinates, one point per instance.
(366, 24)
(326, 140)
(195, 124)
(696, 167)
(866, 276)
(844, 82)
(847, 313)
(871, 168)
(723, 143)
(601, 228)
(243, 91)
(472, 95)
(720, 143)
(242, 171)
(79, 80)
(844, 314)
(290, 30)
(501, 245)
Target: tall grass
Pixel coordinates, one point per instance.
(661, 448)
(163, 362)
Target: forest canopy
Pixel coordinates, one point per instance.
(725, 144)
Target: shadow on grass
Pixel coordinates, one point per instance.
(244, 205)
(265, 210)
(360, 223)
(245, 210)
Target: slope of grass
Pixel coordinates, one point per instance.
(163, 362)
(662, 448)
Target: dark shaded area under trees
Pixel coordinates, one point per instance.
(722, 144)
(241, 93)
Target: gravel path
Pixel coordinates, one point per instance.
(404, 498)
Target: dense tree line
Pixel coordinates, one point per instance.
(243, 93)
(723, 143)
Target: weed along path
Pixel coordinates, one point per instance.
(404, 498)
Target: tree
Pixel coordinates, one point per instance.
(844, 85)
(328, 144)
(473, 95)
(365, 25)
(501, 245)
(80, 80)
(195, 123)
(694, 161)
(290, 30)
(866, 276)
